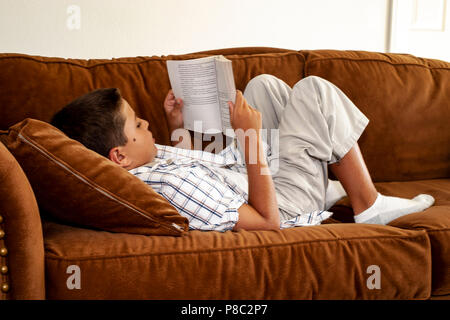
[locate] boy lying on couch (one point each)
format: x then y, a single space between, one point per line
318 128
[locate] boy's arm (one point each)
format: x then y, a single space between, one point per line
261 212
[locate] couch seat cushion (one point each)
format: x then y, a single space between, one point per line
331 261
435 220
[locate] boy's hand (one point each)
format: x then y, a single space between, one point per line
173 108
243 116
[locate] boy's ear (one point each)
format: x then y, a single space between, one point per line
116 155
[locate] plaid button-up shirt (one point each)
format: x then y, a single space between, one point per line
189 181
193 181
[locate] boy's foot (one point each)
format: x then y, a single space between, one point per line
385 208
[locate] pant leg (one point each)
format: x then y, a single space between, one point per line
317 126
269 95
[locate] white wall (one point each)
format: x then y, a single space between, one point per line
120 28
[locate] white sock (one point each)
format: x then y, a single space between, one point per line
385 208
335 192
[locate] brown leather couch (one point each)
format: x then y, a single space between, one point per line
406 147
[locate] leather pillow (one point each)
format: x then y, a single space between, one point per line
76 185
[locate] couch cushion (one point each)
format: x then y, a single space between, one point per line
321 262
79 186
22 233
406 99
435 220
46 84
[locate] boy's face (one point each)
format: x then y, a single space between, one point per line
140 148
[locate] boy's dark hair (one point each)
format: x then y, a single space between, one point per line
95 120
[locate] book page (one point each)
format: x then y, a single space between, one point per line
227 91
195 81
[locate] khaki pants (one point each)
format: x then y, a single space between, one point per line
317 125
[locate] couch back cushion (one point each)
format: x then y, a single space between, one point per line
407 100
404 97
78 186
37 87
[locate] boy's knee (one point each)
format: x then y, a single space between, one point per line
259 82
313 81
313 85
263 78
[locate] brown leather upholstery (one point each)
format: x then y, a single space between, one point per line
78 186
22 245
143 82
405 98
405 146
379 84
435 220
324 262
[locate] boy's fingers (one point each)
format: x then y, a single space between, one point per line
230 106
238 98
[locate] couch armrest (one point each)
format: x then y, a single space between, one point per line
22 266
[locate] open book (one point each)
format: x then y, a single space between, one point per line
205 85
